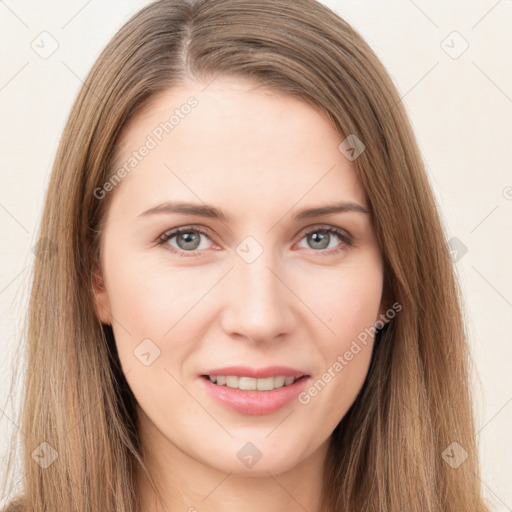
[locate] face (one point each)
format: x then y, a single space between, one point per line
250 284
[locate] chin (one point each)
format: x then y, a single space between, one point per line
260 456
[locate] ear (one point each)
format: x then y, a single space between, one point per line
102 303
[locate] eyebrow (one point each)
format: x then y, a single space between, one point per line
211 212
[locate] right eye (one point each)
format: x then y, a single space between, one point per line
187 239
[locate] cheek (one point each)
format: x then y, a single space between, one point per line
147 297
150 326
349 300
350 306
155 309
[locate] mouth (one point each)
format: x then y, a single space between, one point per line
254 396
252 384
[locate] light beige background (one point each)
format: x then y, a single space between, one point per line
460 107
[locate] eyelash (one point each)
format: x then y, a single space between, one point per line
346 239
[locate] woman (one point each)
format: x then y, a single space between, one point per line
246 299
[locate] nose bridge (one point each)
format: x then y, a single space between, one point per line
258 305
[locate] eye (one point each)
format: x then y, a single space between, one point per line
187 239
320 238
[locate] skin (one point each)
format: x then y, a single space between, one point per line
260 157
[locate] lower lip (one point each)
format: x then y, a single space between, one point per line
254 402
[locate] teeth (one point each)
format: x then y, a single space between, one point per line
231 382
267 384
246 383
250 384
279 381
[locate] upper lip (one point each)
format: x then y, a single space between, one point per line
257 373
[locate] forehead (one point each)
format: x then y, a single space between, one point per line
233 139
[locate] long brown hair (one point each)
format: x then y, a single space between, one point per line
389 451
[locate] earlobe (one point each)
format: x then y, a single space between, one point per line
102 303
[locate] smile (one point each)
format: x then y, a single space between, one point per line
251 384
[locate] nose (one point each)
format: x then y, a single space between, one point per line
258 305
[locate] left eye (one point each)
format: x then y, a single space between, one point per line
188 240
321 237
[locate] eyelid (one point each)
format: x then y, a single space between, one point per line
319 227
